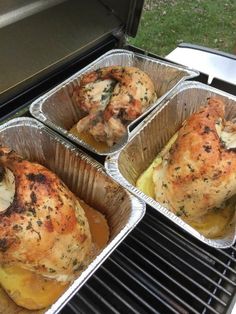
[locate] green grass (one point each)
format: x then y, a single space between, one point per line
166 23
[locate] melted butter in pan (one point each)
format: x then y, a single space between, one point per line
88 138
98 225
217 221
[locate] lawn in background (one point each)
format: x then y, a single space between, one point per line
167 23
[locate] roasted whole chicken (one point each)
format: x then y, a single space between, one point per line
198 173
110 98
43 228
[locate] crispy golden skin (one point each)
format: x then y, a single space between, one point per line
198 173
44 229
110 98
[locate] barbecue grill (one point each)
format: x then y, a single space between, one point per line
158 268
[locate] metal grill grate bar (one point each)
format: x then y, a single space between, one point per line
78 303
98 295
105 286
177 270
190 254
187 241
194 269
148 306
231 257
138 269
72 307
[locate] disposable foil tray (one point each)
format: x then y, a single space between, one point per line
149 137
86 178
58 110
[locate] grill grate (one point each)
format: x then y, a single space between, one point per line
160 269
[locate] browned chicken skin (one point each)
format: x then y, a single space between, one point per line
198 173
111 97
44 228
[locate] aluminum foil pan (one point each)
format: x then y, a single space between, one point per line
148 138
57 109
86 178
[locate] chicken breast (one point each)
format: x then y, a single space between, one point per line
198 173
43 228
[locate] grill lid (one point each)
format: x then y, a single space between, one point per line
37 37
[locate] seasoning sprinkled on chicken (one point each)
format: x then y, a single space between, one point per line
198 173
110 98
43 228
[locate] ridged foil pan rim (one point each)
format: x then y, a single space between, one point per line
112 167
138 209
36 106
181 87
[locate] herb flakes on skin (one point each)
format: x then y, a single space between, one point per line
207 148
182 212
190 168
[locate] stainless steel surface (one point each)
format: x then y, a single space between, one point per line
57 109
12 11
85 177
212 64
150 137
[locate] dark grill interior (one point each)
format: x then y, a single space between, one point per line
160 269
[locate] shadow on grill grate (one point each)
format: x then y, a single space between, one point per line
160 269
